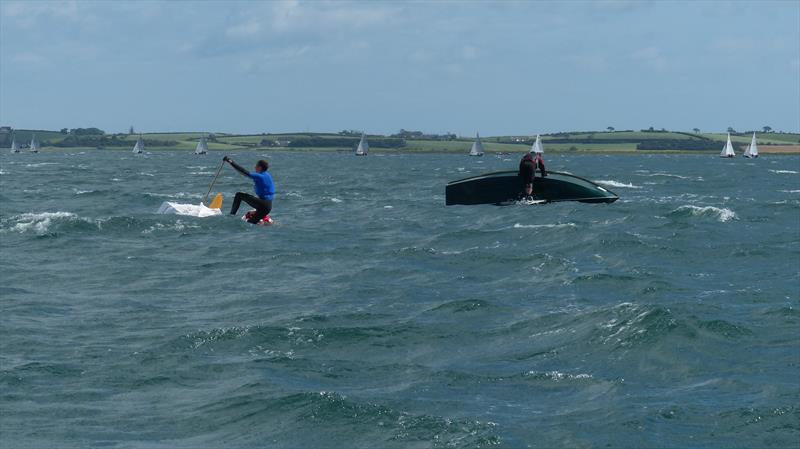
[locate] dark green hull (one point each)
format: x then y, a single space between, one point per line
504 187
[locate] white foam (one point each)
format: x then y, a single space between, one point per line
557 225
337 200
174 195
722 214
790 191
177 226
613 183
39 223
790 172
669 175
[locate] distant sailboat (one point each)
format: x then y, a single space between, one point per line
139 147
477 146
34 144
537 146
202 146
728 150
14 145
752 149
363 146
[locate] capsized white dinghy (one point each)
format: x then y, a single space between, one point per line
193 210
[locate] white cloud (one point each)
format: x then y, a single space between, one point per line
469 52
27 14
28 59
244 30
593 61
733 45
650 56
293 15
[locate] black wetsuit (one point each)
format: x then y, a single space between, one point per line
262 206
526 171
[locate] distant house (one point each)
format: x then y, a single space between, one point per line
5 130
282 143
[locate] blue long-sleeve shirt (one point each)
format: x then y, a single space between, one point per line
264 187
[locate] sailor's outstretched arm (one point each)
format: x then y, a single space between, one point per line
238 167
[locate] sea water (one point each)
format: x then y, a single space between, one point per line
372 316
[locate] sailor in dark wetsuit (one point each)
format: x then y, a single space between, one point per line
527 170
263 185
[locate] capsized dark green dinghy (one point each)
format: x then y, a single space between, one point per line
504 187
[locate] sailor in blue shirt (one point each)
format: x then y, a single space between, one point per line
263 185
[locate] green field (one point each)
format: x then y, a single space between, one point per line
600 141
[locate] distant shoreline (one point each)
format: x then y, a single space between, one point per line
409 142
778 150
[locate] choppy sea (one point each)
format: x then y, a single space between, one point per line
372 316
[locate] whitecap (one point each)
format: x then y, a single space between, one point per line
790 191
668 175
177 226
39 223
722 214
388 207
613 183
337 200
790 172
201 173
555 225
174 195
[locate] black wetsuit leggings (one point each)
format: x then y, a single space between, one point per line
263 207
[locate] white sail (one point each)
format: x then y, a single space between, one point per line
537 146
752 149
202 146
34 144
728 150
363 146
14 145
139 147
477 146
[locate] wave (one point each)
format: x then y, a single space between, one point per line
790 191
39 224
613 183
790 172
554 225
668 175
174 195
336 417
722 214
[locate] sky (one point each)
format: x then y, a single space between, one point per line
498 68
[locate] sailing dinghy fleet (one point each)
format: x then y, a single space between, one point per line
750 152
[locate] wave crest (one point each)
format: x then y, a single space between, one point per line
721 214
